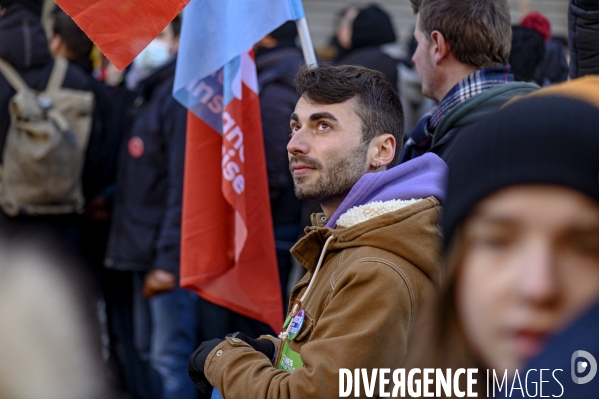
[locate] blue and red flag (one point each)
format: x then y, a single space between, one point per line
228 252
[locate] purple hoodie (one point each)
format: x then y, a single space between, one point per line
421 177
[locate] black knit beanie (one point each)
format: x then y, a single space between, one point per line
550 137
528 50
33 5
372 27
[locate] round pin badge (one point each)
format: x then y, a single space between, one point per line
136 147
296 324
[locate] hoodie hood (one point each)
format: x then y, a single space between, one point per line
24 44
419 178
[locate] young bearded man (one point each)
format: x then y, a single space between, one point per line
462 60
370 257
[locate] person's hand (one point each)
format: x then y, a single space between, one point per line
97 210
195 367
261 345
158 281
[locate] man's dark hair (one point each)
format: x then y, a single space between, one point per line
286 33
479 32
176 25
73 37
379 107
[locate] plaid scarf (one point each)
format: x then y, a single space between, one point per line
472 85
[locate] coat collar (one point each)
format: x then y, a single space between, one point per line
308 249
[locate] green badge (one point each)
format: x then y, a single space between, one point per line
290 360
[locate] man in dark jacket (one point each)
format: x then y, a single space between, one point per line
145 235
583 35
463 66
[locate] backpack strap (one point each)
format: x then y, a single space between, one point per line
58 73
12 76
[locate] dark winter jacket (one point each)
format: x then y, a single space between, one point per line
563 357
276 70
472 110
583 36
146 220
25 47
554 66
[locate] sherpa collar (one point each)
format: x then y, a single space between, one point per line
363 213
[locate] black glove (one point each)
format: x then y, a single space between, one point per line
261 345
197 360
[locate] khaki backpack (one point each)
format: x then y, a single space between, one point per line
45 146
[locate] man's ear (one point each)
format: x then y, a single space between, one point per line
382 151
440 46
55 45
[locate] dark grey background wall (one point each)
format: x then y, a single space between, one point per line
321 15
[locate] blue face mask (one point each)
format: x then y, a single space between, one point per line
154 56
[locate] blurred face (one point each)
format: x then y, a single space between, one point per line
531 266
424 61
326 153
344 29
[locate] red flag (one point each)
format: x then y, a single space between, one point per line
228 253
122 29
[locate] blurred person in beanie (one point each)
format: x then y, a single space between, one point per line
583 35
462 60
145 232
340 43
370 256
372 29
528 50
521 231
553 68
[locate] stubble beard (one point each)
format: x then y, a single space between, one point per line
335 180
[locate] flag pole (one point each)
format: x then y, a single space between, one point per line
306 42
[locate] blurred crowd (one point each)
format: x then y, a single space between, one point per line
91 205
